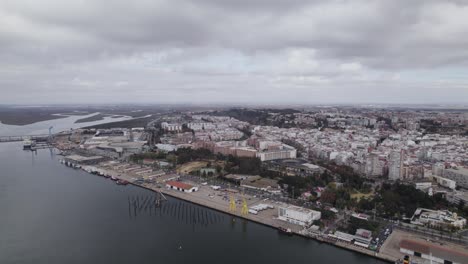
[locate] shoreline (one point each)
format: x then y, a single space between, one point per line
259 219
315 238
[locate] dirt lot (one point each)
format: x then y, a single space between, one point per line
191 166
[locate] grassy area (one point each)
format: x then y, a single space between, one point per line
358 195
191 166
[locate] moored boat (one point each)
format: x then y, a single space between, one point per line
28 144
122 182
285 230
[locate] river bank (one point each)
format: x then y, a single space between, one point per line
216 200
53 214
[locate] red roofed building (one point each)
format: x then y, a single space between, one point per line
180 186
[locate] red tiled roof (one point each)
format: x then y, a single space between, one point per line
180 185
364 233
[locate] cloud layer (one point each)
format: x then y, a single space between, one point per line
245 51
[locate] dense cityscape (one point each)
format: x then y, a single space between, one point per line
233 131
382 182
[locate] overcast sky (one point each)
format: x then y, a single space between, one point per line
234 51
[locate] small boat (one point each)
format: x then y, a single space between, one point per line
285 230
122 182
114 178
28 144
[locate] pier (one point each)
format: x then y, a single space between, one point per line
212 199
16 138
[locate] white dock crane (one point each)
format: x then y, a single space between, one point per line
50 133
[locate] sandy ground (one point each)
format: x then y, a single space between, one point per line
191 166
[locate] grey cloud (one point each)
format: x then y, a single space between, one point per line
172 47
380 33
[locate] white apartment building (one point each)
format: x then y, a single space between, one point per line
459 175
171 127
283 153
394 166
444 182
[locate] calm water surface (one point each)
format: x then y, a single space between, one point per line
58 125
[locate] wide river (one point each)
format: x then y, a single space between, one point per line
50 213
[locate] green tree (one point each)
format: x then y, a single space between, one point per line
218 168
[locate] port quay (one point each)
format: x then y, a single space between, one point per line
217 200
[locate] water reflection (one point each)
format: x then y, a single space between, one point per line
182 212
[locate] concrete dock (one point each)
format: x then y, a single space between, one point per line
220 201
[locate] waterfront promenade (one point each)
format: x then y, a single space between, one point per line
220 200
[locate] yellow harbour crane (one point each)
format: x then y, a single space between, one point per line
232 205
245 208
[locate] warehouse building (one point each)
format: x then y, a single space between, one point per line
180 186
78 159
298 215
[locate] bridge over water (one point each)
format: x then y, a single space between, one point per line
42 137
37 137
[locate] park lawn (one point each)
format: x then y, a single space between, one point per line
358 195
191 166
